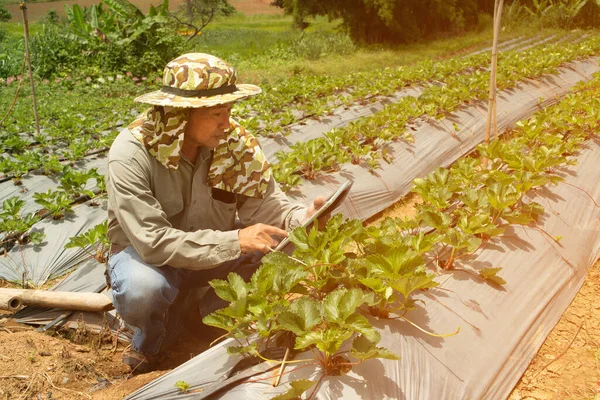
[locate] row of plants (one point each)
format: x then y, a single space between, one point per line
74 124
315 96
16 226
304 97
70 136
73 129
81 118
366 141
366 144
322 298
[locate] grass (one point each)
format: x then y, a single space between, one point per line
265 69
16 30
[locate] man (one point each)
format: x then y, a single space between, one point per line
178 177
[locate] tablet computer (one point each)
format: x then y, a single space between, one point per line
330 204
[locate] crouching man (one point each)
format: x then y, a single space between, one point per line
178 177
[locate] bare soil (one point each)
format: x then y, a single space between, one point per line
567 365
37 10
77 363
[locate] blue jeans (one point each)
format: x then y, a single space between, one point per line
143 294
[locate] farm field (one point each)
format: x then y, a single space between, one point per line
449 239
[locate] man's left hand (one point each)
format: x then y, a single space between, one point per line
318 202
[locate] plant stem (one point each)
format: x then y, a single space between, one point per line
430 333
584 191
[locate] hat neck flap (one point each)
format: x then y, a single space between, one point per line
238 164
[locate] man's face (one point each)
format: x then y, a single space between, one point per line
206 126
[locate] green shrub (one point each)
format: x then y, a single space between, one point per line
121 38
11 55
5 15
51 17
52 52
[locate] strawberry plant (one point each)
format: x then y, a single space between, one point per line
94 241
308 296
394 277
15 226
57 203
324 252
74 182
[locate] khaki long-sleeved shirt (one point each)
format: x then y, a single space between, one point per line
171 217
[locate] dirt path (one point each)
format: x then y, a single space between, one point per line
568 364
38 10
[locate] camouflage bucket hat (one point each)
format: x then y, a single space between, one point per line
197 80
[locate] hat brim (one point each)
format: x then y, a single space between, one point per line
160 98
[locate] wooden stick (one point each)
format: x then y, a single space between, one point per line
28 57
10 302
491 104
278 377
82 301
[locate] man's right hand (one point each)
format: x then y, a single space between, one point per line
258 237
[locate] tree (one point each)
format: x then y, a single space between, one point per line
5 15
394 21
196 14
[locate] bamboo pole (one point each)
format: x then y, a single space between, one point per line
81 301
28 57
492 115
9 302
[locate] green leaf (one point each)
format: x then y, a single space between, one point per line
407 285
300 238
286 279
302 316
364 349
342 303
361 324
251 349
297 389
489 274
183 386
223 289
328 341
434 219
219 321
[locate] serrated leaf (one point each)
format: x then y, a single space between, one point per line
285 279
300 238
328 341
219 321
342 303
223 289
435 219
489 274
302 316
251 349
410 283
361 324
297 389
364 349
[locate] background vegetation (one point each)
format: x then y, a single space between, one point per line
402 21
115 37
